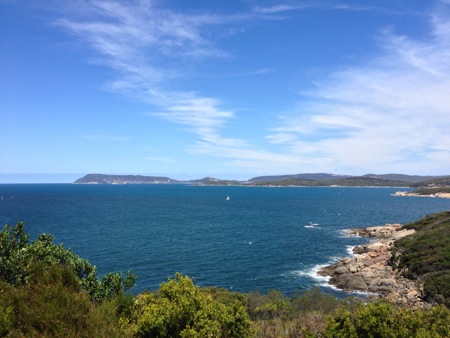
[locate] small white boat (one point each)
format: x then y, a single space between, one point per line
228 198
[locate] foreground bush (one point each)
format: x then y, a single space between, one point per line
53 305
181 309
19 258
384 320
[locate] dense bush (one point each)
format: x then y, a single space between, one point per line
302 315
181 309
383 320
425 255
52 304
18 259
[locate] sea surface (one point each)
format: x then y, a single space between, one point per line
258 239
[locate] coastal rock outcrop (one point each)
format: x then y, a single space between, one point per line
368 270
414 194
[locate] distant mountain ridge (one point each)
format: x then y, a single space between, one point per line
307 176
123 179
403 178
305 179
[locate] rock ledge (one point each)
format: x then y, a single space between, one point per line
368 270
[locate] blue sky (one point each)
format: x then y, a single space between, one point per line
230 89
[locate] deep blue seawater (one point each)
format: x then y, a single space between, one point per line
257 240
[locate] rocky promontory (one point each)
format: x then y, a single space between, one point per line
428 194
368 270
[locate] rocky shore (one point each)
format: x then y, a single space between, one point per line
368 270
413 194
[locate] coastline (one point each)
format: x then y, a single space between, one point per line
368 269
413 194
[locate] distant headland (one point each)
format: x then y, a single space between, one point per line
437 186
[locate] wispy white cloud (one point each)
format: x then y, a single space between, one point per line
390 114
145 45
279 8
325 5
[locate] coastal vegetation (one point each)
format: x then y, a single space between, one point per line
432 191
437 182
432 187
425 256
47 290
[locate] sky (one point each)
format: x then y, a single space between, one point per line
230 89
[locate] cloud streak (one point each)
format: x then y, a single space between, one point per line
143 42
388 115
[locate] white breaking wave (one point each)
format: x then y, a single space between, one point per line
312 273
313 225
345 233
323 281
349 249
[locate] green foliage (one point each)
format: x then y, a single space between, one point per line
224 296
435 182
5 320
315 300
18 259
52 305
272 305
13 254
437 288
302 315
383 320
432 191
425 255
181 309
341 325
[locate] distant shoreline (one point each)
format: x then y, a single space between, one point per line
298 180
414 194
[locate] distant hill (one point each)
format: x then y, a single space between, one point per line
307 179
434 182
353 181
123 179
307 176
333 179
401 177
214 181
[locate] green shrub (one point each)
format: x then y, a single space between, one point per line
5 320
425 255
18 257
437 288
54 306
181 309
383 320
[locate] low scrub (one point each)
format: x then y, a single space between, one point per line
425 256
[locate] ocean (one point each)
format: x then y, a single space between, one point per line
261 238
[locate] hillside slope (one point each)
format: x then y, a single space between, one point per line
425 256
